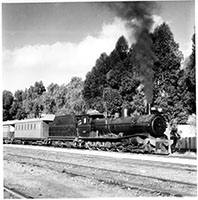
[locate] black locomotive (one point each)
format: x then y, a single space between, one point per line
143 133
140 133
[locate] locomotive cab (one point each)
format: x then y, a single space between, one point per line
84 123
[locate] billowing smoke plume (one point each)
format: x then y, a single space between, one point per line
138 16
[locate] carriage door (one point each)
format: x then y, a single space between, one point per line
84 127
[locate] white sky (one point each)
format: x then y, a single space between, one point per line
58 62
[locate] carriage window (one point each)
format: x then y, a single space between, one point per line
31 126
28 127
34 126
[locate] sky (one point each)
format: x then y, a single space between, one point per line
53 42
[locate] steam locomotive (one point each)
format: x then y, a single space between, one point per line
140 134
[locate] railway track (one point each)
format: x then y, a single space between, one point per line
183 167
126 180
15 194
170 161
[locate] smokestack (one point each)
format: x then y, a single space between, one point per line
147 107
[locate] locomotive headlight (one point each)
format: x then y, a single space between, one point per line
159 109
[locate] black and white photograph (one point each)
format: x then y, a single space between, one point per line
98 99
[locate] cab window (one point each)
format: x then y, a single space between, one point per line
84 120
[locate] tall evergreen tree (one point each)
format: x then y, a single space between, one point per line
166 70
107 73
188 83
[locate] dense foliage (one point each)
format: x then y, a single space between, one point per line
117 81
36 100
113 80
167 71
187 83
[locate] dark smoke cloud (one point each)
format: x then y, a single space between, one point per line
138 16
142 11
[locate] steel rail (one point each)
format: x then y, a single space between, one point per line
16 193
127 185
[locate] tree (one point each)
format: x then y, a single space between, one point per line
32 101
188 84
49 99
7 99
17 110
64 99
37 108
106 75
74 102
128 87
7 104
166 70
96 80
137 106
113 100
36 90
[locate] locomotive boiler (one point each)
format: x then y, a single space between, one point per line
153 125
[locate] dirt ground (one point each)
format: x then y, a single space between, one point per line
35 179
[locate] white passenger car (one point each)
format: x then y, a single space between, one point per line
32 129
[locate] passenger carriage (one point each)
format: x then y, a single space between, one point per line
32 130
